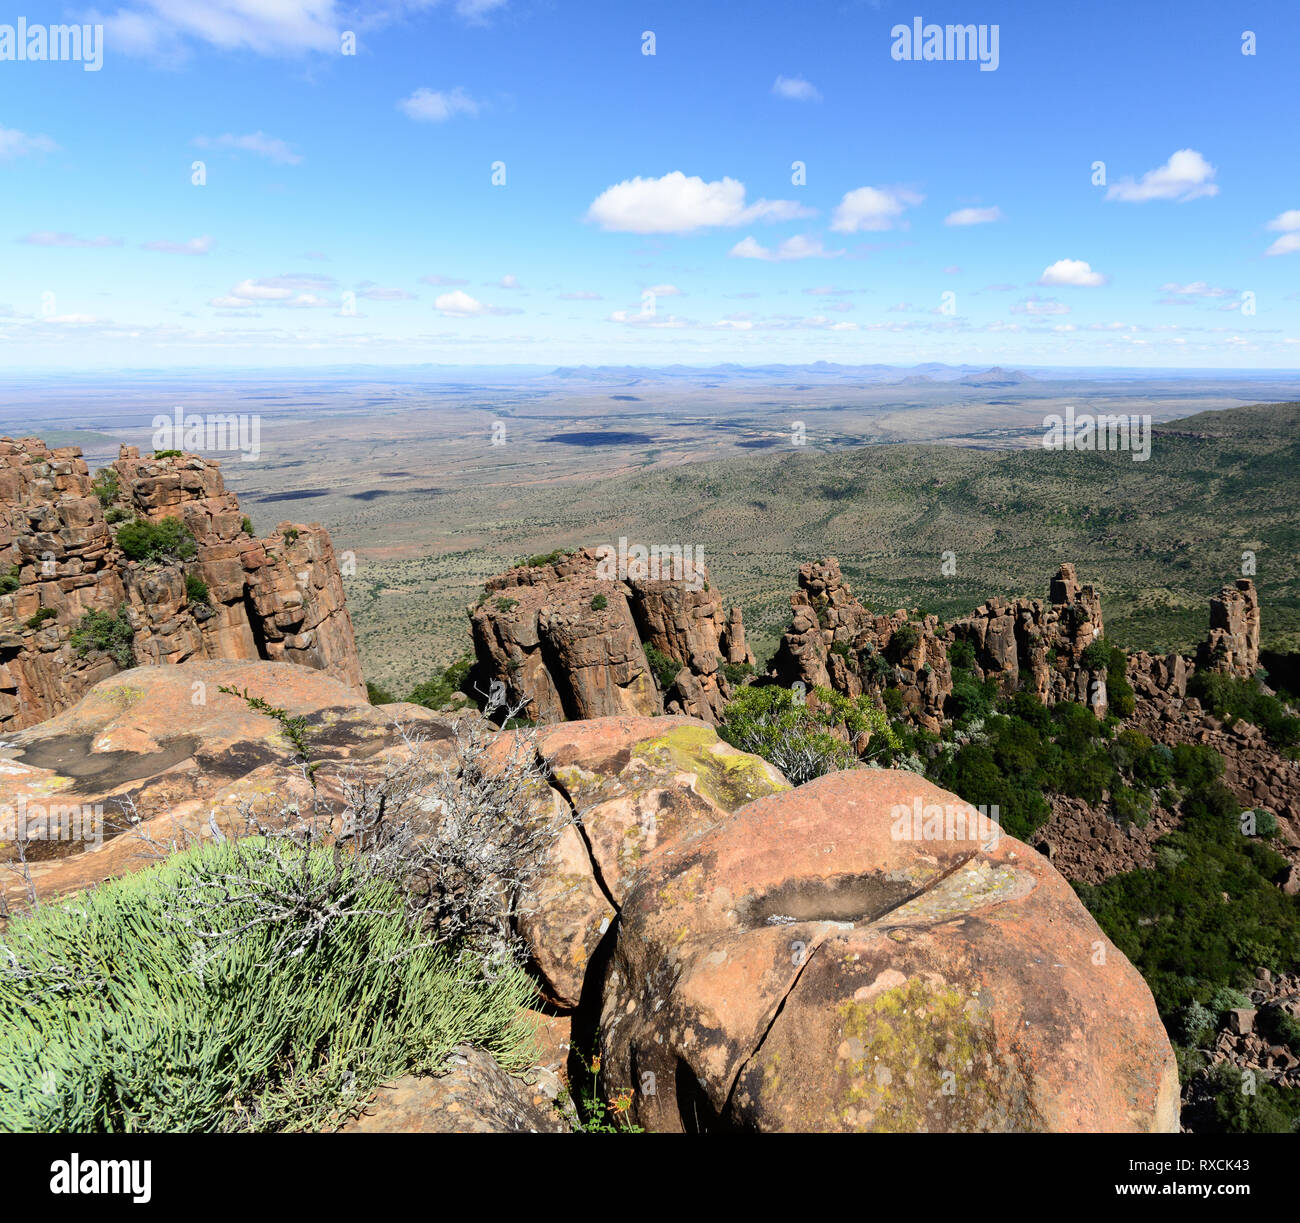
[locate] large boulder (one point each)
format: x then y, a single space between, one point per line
473 1095
152 756
636 787
847 956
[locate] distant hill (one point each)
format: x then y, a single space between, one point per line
997 377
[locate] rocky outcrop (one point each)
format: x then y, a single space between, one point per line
473 1095
278 598
764 958
570 643
636 787
1232 645
846 956
154 756
834 640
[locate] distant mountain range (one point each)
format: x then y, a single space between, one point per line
818 371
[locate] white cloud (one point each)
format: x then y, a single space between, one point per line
270 147
195 246
441 281
676 204
434 106
1033 304
508 281
14 143
272 27
797 247
377 293
44 237
1072 272
1185 176
872 208
973 216
459 304
293 291
795 89
665 291
630 318
1288 223
166 29
1196 288
473 10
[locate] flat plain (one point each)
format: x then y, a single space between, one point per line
432 480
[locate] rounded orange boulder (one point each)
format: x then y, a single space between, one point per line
867 953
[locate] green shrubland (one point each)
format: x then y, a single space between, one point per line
142 1006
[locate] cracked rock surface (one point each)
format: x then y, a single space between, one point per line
803 966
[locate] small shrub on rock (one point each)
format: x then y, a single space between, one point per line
168 539
100 632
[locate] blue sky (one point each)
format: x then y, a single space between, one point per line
349 212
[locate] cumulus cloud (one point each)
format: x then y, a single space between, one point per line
1185 176
459 304
1288 224
1074 272
795 89
292 291
435 106
442 281
14 143
259 143
872 208
678 204
798 247
973 216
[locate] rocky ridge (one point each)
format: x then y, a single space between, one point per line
278 598
571 644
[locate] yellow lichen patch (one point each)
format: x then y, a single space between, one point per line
122 696
914 1058
724 776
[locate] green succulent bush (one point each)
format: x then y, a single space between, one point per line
160 1002
800 738
438 689
196 589
107 486
167 539
665 669
100 632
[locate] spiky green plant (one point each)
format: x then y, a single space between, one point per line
170 1000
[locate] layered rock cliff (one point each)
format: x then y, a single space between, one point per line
278 598
833 640
570 643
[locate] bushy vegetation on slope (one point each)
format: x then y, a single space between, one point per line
142 1006
805 738
101 632
435 692
168 539
1232 699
